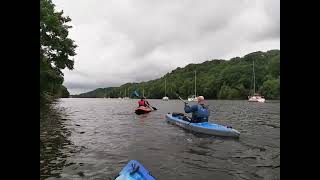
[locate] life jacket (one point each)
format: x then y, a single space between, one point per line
202 113
141 103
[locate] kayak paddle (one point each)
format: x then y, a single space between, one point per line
177 94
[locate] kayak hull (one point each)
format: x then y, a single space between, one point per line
203 127
142 110
134 171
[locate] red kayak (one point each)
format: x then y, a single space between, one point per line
143 110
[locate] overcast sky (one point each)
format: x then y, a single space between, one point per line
122 41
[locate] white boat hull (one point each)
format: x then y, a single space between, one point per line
256 99
193 99
165 98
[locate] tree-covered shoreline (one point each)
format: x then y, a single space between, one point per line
216 79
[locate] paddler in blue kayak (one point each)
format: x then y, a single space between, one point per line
200 112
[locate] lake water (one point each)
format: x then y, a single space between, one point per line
94 139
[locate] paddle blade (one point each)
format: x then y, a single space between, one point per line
154 108
135 93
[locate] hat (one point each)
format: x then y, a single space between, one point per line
200 99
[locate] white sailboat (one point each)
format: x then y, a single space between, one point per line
194 97
105 95
125 94
120 97
127 97
143 93
255 97
165 98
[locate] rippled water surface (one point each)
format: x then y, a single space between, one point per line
95 138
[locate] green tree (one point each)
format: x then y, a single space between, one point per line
275 66
271 89
64 93
215 79
227 92
56 50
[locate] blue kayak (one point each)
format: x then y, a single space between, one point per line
203 127
134 171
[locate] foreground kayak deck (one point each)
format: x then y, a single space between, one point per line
134 171
203 127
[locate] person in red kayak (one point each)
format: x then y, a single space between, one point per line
143 102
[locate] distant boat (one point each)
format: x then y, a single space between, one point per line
126 97
194 97
255 96
120 97
165 98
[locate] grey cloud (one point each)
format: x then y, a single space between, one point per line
74 85
80 87
131 41
271 33
272 9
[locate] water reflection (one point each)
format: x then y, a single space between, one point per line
54 143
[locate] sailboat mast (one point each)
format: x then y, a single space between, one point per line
195 83
165 87
254 80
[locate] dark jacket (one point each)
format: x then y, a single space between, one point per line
200 113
